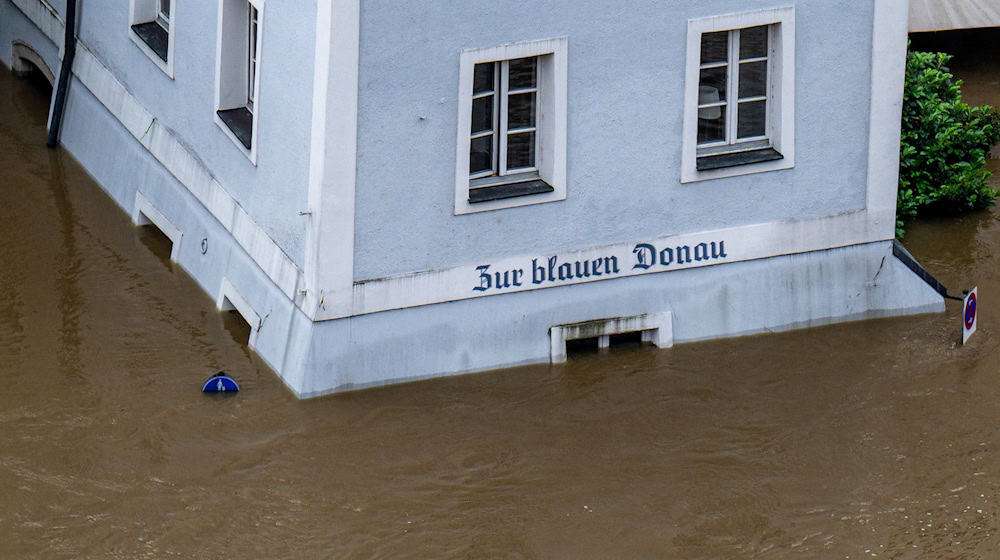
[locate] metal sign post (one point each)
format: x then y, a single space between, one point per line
969 303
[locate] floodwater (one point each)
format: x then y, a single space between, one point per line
861 440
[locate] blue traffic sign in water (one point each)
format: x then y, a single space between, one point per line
970 311
220 383
969 314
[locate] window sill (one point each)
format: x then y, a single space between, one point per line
734 159
509 190
239 121
154 36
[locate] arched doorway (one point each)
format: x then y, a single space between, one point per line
25 60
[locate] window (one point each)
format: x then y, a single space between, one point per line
503 144
163 14
739 95
251 56
512 126
237 73
732 98
150 29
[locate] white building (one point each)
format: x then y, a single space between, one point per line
397 190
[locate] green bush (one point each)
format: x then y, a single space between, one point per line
942 168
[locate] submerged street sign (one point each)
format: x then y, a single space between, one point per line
969 314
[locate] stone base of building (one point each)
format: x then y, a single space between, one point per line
766 295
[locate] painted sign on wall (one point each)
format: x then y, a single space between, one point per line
552 270
666 254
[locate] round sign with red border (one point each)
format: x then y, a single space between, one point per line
970 311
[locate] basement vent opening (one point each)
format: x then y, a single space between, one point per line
242 322
599 343
601 334
234 322
154 239
28 71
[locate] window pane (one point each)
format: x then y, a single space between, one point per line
521 111
715 47
753 42
752 118
481 155
521 150
483 80
482 114
251 56
712 85
522 73
753 79
712 125
253 25
165 7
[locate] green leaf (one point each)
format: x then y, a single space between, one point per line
944 143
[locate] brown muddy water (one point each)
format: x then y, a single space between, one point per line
861 440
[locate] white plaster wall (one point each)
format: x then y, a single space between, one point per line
626 72
275 190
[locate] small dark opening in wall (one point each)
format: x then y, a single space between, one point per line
581 346
36 78
626 339
593 345
157 242
237 326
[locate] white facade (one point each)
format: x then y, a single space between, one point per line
312 169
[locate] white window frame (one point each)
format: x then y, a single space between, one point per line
550 121
780 124
143 11
253 37
236 88
163 18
